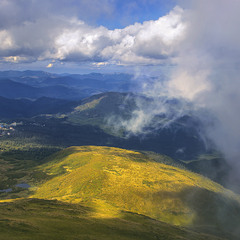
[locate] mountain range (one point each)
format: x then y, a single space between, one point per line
36 84
72 168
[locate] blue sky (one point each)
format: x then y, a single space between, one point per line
127 12
82 35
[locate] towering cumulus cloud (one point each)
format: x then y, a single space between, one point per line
208 70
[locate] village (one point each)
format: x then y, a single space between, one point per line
6 129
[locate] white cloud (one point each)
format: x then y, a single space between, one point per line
207 67
188 83
71 39
50 65
208 70
149 43
100 64
14 59
6 40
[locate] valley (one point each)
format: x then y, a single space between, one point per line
71 169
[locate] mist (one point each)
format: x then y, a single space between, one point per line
206 76
208 71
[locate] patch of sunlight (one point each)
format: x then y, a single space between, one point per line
88 105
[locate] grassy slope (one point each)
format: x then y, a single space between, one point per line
98 109
111 179
43 219
109 183
18 159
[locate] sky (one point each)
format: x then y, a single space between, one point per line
85 36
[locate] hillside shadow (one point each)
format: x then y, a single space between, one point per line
214 213
51 219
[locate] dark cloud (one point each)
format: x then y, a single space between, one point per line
17 12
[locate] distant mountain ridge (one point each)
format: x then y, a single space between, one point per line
182 133
25 108
16 90
35 84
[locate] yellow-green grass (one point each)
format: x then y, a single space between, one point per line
88 105
205 157
111 180
75 116
53 220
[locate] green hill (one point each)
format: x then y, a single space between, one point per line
111 180
96 109
167 133
43 219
